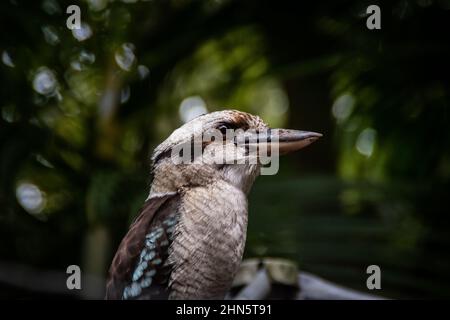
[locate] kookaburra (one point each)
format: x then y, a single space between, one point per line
188 240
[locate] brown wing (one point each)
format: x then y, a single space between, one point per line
139 269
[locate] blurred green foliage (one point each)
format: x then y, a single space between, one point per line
81 112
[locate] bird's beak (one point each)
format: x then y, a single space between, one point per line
284 140
293 140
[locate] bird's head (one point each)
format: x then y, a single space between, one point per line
227 145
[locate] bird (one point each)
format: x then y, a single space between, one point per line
188 240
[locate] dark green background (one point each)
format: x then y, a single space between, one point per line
373 190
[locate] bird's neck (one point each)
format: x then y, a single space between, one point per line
168 177
175 178
210 240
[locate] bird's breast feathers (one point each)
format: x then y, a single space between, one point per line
209 244
186 245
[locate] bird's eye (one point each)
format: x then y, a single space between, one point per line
223 128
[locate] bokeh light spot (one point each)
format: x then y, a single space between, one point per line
143 71
44 82
125 57
30 197
192 107
83 33
7 60
366 142
343 107
50 35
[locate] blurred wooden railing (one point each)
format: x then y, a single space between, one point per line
256 280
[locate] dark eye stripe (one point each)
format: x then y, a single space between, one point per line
223 128
238 123
163 155
226 125
168 153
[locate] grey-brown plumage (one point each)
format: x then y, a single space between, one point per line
188 241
